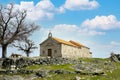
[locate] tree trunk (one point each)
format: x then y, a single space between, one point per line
27 54
4 51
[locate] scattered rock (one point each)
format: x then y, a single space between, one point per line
88 69
22 71
7 62
6 77
42 73
60 71
77 78
78 71
115 57
30 77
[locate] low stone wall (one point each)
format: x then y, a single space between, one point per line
56 61
9 63
83 68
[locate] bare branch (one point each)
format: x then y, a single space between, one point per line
13 26
27 47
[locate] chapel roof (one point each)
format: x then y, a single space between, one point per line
71 42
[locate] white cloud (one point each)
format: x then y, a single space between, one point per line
80 4
114 43
88 32
69 30
93 32
61 9
45 5
102 22
45 9
65 28
42 10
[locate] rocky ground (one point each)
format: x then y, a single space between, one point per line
59 69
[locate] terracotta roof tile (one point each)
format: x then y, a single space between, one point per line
71 43
76 43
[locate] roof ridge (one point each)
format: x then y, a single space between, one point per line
72 43
76 43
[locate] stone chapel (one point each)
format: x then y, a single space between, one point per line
55 47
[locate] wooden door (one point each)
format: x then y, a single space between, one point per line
50 52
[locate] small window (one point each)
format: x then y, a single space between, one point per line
43 51
55 51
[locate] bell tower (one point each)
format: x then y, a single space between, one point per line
50 34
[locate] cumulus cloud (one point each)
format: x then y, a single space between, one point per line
65 28
94 33
92 28
74 30
45 9
88 32
80 4
42 10
102 22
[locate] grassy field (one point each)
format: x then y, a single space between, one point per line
112 70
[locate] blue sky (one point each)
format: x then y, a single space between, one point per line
94 23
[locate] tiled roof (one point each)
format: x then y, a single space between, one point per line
71 43
76 43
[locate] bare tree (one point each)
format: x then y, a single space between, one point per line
26 47
13 27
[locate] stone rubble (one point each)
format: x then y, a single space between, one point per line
15 66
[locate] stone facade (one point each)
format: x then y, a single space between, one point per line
55 47
75 52
50 48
